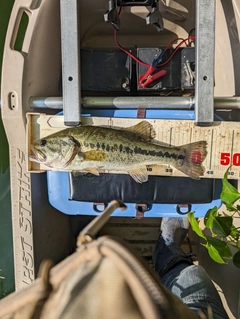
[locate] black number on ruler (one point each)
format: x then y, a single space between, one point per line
149 169
168 170
210 172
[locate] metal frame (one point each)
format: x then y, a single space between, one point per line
70 62
205 48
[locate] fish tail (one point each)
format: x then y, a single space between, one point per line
190 159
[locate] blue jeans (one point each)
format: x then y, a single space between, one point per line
189 282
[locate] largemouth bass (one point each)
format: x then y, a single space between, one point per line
91 148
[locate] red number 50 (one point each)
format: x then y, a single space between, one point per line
225 159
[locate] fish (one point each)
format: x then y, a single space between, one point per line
131 149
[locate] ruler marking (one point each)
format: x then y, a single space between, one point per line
211 149
231 150
170 142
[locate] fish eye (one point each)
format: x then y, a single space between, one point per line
43 142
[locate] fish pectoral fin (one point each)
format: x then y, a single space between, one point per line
143 129
85 172
76 173
94 155
140 175
92 171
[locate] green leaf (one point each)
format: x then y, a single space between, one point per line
214 254
229 193
222 226
235 233
236 259
231 208
221 246
210 216
195 226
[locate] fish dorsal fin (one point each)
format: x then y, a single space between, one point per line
143 129
140 175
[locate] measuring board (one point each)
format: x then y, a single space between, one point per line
222 141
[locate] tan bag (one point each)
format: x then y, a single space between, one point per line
101 280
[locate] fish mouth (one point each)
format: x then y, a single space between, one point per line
37 155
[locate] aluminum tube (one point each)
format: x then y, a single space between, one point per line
169 102
135 102
46 102
231 102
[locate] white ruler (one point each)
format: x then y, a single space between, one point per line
222 140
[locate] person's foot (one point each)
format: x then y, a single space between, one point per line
174 230
168 253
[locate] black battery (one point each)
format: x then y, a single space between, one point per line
188 68
172 79
105 70
180 69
